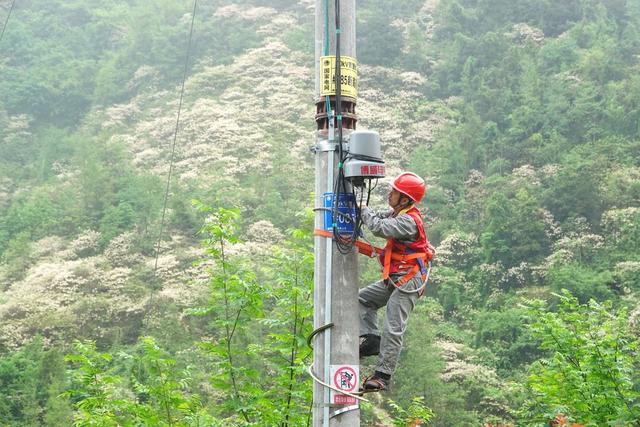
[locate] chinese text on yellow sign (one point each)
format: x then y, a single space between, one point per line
348 76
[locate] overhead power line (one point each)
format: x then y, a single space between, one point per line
175 134
6 21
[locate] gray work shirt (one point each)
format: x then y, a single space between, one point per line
402 227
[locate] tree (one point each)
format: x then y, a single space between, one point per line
31 380
158 393
574 190
515 229
505 334
589 373
238 304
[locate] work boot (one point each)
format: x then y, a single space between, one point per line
379 381
369 345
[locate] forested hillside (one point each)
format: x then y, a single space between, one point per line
126 302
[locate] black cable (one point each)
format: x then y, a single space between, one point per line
344 242
6 21
363 157
358 226
316 332
371 188
338 78
175 134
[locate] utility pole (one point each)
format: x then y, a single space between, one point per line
336 274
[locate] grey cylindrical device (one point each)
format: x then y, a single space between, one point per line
365 143
365 158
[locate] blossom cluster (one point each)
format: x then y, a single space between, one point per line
456 249
16 127
72 291
461 366
525 174
620 222
523 32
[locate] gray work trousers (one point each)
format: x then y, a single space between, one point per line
399 306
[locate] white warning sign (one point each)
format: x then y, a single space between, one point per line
345 378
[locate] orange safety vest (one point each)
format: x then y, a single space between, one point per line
398 257
408 258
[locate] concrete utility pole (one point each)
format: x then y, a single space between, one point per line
336 275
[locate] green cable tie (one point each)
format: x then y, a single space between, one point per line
335 225
340 165
339 117
338 31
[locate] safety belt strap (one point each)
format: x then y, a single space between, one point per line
363 247
369 250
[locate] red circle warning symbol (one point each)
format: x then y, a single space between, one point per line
345 379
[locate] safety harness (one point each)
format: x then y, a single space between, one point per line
396 256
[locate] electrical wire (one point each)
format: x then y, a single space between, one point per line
175 135
327 99
338 83
344 194
6 21
341 197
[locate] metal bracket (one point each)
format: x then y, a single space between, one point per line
323 146
345 409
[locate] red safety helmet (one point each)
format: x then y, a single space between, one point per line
411 185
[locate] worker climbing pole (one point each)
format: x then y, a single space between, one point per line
346 160
348 165
336 274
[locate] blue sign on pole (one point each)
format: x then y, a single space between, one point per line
346 208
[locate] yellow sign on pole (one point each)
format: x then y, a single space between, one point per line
348 76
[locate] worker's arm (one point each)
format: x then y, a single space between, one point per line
384 225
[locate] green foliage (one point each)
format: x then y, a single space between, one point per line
158 393
116 219
33 215
49 67
583 282
590 371
504 334
421 369
274 196
107 195
145 386
17 256
623 233
378 38
82 53
575 189
530 148
417 413
450 290
237 305
515 231
143 282
31 381
289 323
296 39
